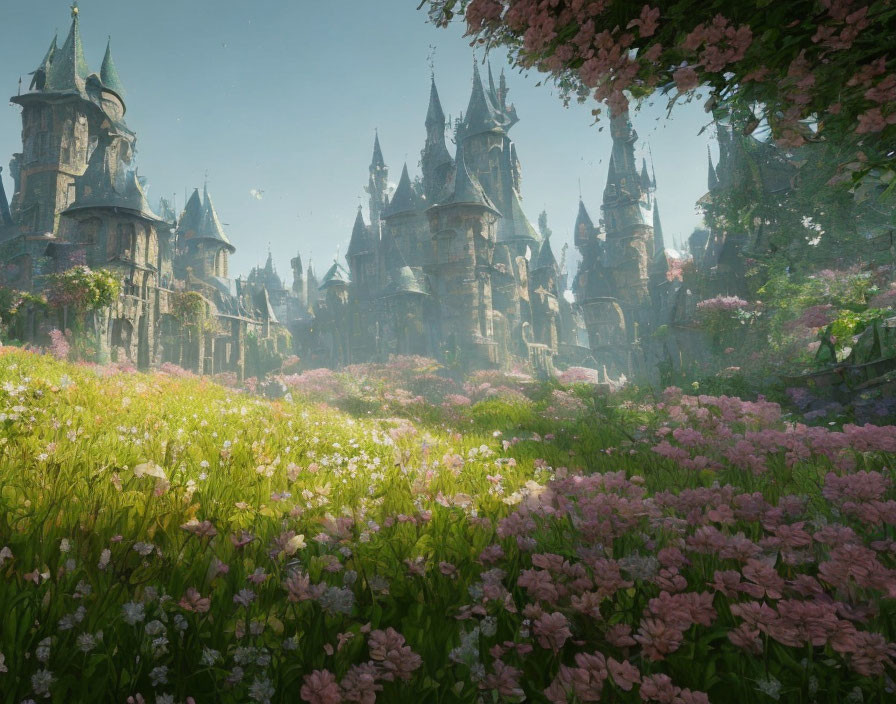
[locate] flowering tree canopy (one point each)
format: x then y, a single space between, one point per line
812 70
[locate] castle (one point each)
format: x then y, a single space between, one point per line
447 266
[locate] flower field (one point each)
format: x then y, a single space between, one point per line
388 534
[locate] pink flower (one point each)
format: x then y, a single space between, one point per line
552 630
320 688
647 22
624 674
505 680
194 601
686 79
388 650
360 684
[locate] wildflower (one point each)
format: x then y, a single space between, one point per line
320 687
624 674
133 613
41 682
552 630
336 600
261 690
360 683
194 601
210 657
105 557
388 649
3 667
770 687
159 675
203 529
244 597
86 642
504 679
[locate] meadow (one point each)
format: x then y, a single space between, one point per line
390 534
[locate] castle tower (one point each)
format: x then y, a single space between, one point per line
402 224
361 258
464 237
435 160
616 303
298 280
63 115
311 286
377 186
201 241
545 295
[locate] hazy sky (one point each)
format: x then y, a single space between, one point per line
283 96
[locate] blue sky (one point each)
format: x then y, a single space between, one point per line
283 96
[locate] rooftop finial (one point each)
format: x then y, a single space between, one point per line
75 9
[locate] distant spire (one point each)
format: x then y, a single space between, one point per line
435 116
584 228
404 199
481 116
493 92
713 179
109 73
5 215
467 189
68 70
659 244
360 242
377 161
645 178
652 168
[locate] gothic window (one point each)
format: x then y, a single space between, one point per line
127 245
90 231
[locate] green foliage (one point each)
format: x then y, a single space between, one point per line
82 289
189 308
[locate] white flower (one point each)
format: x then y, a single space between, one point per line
105 556
64 545
41 681
86 642
5 554
133 613
158 675
210 657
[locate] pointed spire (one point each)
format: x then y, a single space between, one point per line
481 116
40 73
5 215
435 116
377 162
188 225
584 228
467 189
68 70
404 200
360 242
109 73
645 177
546 258
659 244
713 179
335 276
493 93
210 227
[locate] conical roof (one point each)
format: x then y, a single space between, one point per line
96 188
210 227
361 241
109 73
659 243
546 258
336 276
482 115
377 161
645 177
40 73
5 215
68 68
467 189
404 200
435 116
190 219
584 227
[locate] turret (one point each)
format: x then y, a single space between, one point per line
361 256
377 185
298 279
109 74
435 160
